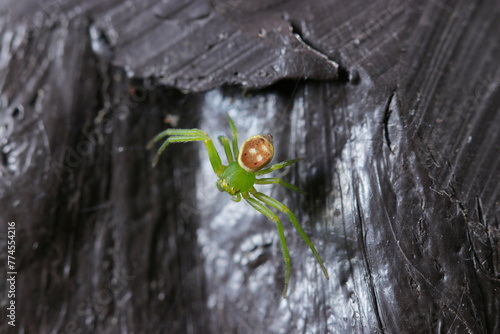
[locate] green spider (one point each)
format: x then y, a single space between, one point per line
239 177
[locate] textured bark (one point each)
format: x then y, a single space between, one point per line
393 105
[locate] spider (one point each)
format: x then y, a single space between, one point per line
239 177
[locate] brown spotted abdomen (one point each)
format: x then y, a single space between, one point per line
256 152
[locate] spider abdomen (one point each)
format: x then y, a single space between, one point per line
256 152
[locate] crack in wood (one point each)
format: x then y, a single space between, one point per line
299 35
385 121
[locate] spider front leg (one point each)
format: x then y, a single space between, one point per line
225 142
280 206
184 136
271 215
227 148
234 137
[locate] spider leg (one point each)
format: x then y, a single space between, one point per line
280 206
277 166
234 137
275 180
236 197
184 136
271 215
227 148
175 132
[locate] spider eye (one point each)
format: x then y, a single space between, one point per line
256 152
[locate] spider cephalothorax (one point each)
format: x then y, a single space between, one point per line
239 177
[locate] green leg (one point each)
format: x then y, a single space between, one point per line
275 180
184 136
271 215
235 138
277 166
227 148
236 197
175 132
280 206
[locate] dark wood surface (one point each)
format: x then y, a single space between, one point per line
393 105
